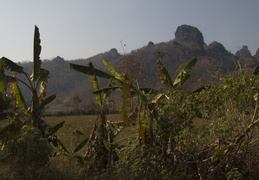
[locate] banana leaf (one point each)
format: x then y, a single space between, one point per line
81 145
46 101
19 100
36 55
108 90
184 74
11 66
164 75
114 72
93 71
98 97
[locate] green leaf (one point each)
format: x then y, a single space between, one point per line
159 97
36 55
11 66
19 100
43 75
43 79
98 97
184 74
54 129
81 145
108 90
46 101
164 75
77 132
149 90
114 72
57 143
93 71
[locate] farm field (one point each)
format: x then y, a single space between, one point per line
61 166
82 123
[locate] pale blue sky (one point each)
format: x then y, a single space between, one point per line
82 28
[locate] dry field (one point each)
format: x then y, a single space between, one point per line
84 124
60 167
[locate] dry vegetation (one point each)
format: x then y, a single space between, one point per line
62 166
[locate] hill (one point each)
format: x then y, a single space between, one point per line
74 90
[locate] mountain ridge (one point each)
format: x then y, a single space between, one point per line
140 64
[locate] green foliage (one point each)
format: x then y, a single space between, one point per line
36 55
5 103
29 146
27 136
205 134
96 87
36 84
184 74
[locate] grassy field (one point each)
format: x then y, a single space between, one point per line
83 123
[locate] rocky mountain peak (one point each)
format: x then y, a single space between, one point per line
58 59
189 35
243 53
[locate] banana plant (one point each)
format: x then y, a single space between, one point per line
180 79
36 84
103 136
124 83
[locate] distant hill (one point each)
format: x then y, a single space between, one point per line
140 64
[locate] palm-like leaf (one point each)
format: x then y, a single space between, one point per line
164 75
81 145
92 71
114 72
46 101
184 74
19 100
36 55
108 90
11 66
98 97
54 129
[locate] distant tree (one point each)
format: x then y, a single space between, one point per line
132 66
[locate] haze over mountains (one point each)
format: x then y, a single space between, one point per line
74 90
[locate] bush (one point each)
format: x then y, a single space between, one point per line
206 134
29 146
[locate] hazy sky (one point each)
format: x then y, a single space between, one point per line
76 29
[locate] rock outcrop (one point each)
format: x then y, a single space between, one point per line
189 36
243 53
150 43
216 49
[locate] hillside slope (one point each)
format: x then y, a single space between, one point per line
214 60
